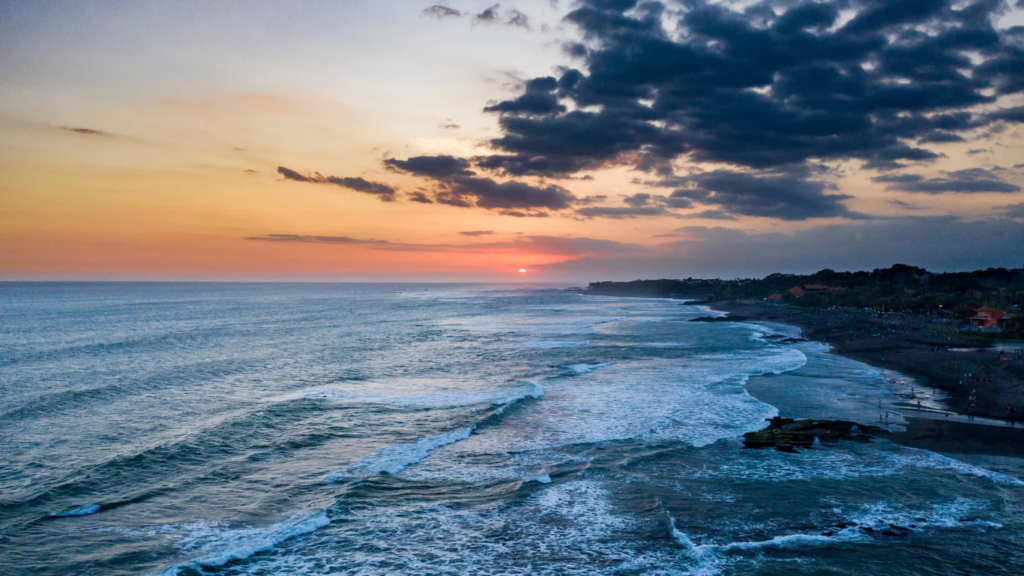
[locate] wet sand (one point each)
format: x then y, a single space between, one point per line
961 438
929 351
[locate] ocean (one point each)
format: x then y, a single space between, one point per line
363 429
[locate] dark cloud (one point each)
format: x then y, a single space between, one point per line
316 239
290 174
782 196
1018 166
519 20
765 87
385 192
437 167
459 186
511 195
636 200
420 197
897 178
636 205
451 126
974 151
618 212
85 131
1009 114
935 243
452 199
440 12
489 16
477 232
1013 210
588 200
711 215
521 214
904 205
969 181
940 137
538 98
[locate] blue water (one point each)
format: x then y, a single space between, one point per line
434 429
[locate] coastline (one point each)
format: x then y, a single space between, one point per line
934 360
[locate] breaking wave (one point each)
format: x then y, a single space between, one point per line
230 545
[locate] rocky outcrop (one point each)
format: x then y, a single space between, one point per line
787 434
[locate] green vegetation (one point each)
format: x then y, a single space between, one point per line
899 288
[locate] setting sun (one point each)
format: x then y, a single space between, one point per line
522 270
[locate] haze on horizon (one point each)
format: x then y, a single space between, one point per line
586 140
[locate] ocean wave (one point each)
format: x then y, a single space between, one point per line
865 525
83 511
584 368
549 344
841 462
440 399
570 528
230 545
393 459
960 513
926 459
397 457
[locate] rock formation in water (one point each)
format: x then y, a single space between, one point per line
787 434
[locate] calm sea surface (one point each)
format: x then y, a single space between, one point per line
235 429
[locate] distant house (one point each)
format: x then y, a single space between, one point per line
986 317
801 291
774 299
818 288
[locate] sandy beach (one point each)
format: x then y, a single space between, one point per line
936 357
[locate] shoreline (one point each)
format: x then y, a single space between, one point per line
905 344
933 360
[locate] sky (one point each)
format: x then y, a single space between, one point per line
465 141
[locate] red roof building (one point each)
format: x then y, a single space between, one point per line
797 292
986 317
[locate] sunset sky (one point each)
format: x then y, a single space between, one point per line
589 140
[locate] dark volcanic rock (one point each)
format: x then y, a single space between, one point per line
787 434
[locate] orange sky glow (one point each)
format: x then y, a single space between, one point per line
149 143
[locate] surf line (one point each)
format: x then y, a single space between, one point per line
243 543
397 457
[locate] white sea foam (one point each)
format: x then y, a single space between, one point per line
587 368
926 459
862 526
867 520
221 547
960 513
83 511
432 399
563 529
549 344
698 401
393 459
